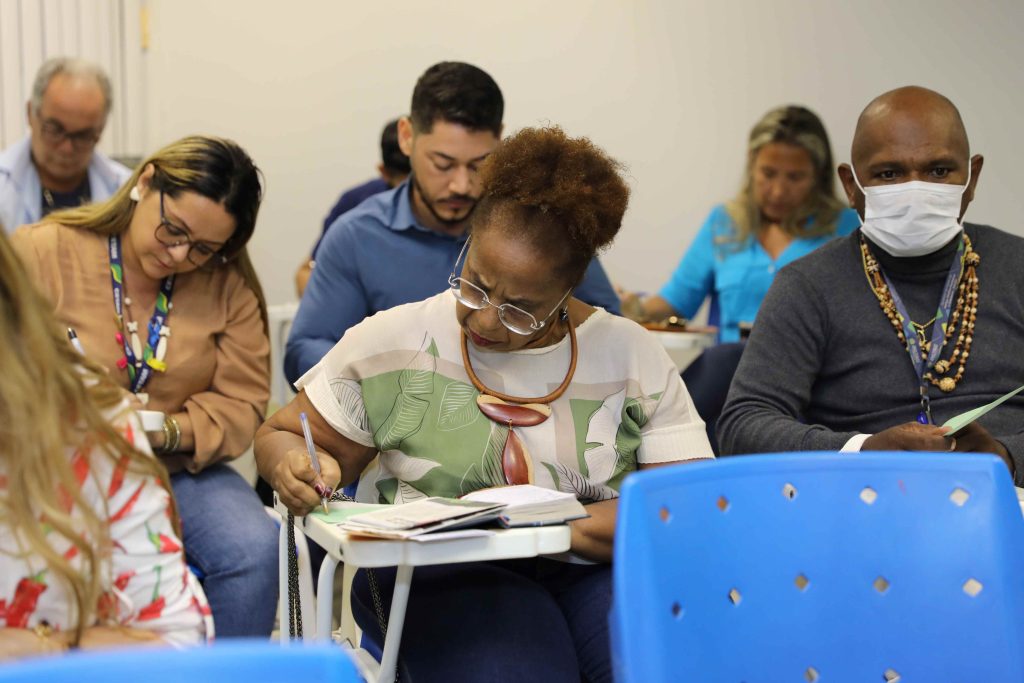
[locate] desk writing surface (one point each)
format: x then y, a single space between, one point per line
684 347
503 544
339 512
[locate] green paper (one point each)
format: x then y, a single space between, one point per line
955 424
339 512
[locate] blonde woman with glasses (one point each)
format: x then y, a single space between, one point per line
158 285
90 550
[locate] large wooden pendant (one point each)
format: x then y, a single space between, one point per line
515 459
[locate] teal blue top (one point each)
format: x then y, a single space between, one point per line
736 276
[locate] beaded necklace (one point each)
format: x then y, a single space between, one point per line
515 411
138 361
961 281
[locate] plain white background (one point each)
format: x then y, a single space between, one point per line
669 87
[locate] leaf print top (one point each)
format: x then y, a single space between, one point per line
145 579
396 382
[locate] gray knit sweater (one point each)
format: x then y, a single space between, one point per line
824 364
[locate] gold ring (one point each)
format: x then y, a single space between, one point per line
952 445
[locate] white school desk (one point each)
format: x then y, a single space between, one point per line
503 544
684 347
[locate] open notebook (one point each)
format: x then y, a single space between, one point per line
425 516
510 506
526 505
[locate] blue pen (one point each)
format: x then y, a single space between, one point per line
312 454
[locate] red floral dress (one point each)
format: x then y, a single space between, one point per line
146 582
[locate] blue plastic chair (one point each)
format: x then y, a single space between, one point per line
820 567
235 660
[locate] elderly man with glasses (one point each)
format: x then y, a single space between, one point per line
57 165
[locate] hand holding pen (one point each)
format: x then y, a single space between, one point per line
314 460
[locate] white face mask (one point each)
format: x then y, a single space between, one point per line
913 218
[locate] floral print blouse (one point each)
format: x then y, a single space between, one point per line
146 583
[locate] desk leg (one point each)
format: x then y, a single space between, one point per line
399 601
325 598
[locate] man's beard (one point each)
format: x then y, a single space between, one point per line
433 212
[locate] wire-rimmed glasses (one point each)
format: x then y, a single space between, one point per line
512 317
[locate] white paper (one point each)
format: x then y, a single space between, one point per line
522 494
449 535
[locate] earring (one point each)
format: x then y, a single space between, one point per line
134 194
564 315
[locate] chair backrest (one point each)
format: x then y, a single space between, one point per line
280 318
707 380
234 660
820 566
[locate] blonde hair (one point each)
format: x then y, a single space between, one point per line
215 168
800 127
52 400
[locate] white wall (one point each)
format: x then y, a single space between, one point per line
102 31
670 87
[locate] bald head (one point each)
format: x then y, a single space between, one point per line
908 134
909 111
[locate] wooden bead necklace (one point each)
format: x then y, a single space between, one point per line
964 315
516 411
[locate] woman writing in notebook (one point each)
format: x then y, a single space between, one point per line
158 285
504 379
90 554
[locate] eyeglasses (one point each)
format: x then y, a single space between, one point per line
512 317
53 133
170 235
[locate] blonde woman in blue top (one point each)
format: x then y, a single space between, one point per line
786 208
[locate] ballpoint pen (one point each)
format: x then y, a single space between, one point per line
312 454
75 341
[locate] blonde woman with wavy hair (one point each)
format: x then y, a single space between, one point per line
786 208
89 550
158 284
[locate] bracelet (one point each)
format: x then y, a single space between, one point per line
172 435
45 632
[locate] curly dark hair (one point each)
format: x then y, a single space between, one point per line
565 195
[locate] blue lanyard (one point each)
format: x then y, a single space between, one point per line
139 369
922 363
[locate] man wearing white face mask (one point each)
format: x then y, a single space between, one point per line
871 341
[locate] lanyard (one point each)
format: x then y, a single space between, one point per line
139 369
922 364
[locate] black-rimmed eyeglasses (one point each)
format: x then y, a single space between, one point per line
55 134
170 235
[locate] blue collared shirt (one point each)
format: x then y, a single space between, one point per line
21 194
378 256
736 276
349 200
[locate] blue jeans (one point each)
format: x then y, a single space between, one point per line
517 620
231 540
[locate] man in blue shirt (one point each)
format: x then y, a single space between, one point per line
400 246
393 169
